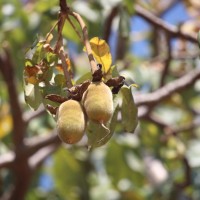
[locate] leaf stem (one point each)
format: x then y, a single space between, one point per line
75 29
65 68
59 49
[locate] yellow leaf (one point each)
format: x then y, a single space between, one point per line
5 121
101 52
32 80
49 37
60 68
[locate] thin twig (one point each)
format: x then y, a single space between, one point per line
65 68
86 41
171 29
167 60
153 98
36 143
75 29
29 115
59 46
51 30
36 159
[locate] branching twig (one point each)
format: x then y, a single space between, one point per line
75 29
167 61
35 144
164 92
6 160
171 29
36 159
65 68
7 70
29 115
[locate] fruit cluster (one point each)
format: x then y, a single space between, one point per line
72 115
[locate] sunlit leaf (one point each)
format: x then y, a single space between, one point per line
101 52
39 53
6 123
51 58
32 71
129 110
59 79
49 37
31 80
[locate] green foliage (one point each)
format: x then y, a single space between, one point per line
117 169
129 110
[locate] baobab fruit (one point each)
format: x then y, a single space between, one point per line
70 122
98 102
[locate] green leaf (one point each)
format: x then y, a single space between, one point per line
28 62
97 133
129 110
39 53
33 96
52 58
72 184
85 77
129 4
59 79
116 155
112 72
113 122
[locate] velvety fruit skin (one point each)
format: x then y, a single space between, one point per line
98 102
70 122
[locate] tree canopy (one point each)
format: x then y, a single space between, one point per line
149 55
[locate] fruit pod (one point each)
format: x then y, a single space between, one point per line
70 122
98 102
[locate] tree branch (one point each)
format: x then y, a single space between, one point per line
108 23
167 60
164 92
6 160
36 159
35 144
171 29
93 64
7 70
29 115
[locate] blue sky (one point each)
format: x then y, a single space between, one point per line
175 16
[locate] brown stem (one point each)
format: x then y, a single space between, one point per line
153 98
156 21
108 23
59 44
65 68
75 29
167 61
7 69
86 41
